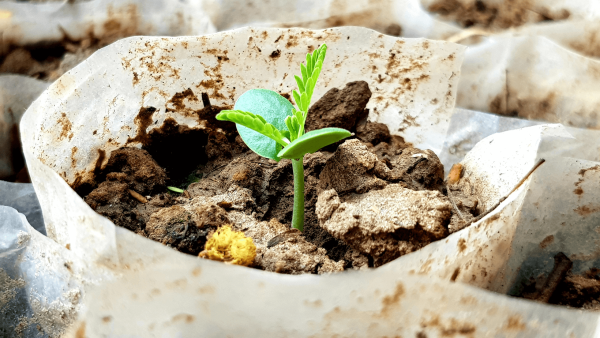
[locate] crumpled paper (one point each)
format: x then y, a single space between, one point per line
169 293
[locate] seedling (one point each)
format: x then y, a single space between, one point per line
271 126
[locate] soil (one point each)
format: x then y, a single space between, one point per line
368 200
495 16
562 287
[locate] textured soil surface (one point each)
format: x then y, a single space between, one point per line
368 200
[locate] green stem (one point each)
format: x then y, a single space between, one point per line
298 215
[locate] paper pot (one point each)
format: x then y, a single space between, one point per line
93 110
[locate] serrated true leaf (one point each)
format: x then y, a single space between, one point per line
273 108
313 141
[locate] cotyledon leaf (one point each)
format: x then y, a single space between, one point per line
271 106
313 141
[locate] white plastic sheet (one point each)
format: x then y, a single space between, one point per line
170 293
191 299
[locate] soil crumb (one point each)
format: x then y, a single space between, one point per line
340 108
368 199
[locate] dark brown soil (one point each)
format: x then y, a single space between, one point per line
340 108
580 291
131 189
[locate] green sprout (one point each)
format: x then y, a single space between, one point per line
271 126
177 190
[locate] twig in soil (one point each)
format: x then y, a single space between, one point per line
414 164
539 163
217 168
137 196
263 163
282 237
205 100
562 265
